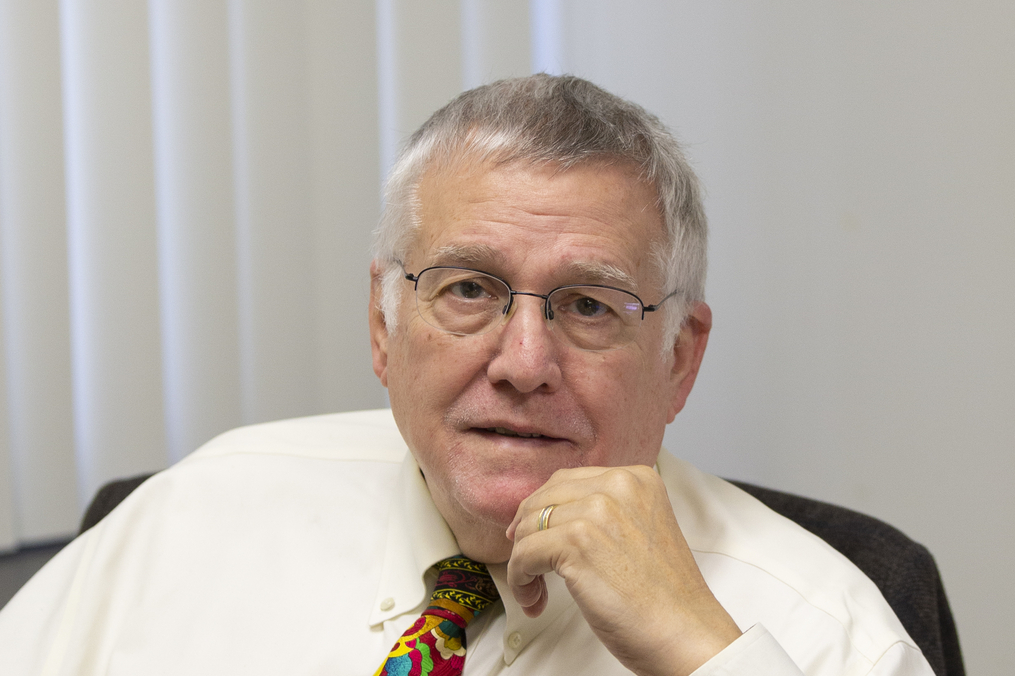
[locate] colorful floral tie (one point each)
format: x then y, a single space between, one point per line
435 644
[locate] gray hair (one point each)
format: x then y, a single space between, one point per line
566 121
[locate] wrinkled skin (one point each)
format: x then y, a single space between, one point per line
600 416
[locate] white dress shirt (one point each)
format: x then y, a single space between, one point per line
305 547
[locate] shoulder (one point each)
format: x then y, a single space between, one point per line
287 469
766 569
299 503
272 472
357 435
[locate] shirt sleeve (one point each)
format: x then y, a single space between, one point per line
902 659
757 653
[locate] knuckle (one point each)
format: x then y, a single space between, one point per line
623 480
582 534
559 474
643 473
520 551
600 504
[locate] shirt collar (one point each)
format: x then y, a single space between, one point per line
417 538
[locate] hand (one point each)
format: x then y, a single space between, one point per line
615 541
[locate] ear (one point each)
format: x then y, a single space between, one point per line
688 352
378 327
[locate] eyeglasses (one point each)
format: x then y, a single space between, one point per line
468 302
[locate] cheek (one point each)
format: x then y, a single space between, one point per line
612 384
427 371
437 368
409 382
628 402
414 353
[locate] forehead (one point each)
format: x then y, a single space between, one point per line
585 222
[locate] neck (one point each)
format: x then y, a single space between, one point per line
481 542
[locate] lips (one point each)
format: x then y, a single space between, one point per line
504 429
543 426
511 433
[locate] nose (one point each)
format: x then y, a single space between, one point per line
528 352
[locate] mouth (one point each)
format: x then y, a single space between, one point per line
522 429
524 433
511 433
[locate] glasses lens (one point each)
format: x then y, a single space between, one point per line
461 301
594 317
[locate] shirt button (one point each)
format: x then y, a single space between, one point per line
514 640
387 604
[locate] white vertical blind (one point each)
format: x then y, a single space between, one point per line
273 191
196 214
113 243
8 524
345 163
421 64
547 41
187 191
38 471
495 41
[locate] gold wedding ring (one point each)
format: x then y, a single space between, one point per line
544 517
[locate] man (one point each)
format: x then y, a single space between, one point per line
537 316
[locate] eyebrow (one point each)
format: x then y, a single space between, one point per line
583 272
596 272
472 254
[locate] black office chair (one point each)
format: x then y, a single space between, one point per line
903 570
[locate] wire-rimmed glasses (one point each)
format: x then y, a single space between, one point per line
469 302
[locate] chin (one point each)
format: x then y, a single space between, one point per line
495 503
480 512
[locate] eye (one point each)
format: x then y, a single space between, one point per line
585 304
590 307
469 289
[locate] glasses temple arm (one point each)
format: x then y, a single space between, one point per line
653 308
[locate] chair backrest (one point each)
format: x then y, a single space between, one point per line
903 570
108 497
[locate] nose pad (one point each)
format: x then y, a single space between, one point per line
509 309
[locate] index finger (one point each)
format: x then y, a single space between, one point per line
558 489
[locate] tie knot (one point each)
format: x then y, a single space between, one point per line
464 583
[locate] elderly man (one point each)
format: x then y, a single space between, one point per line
537 316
